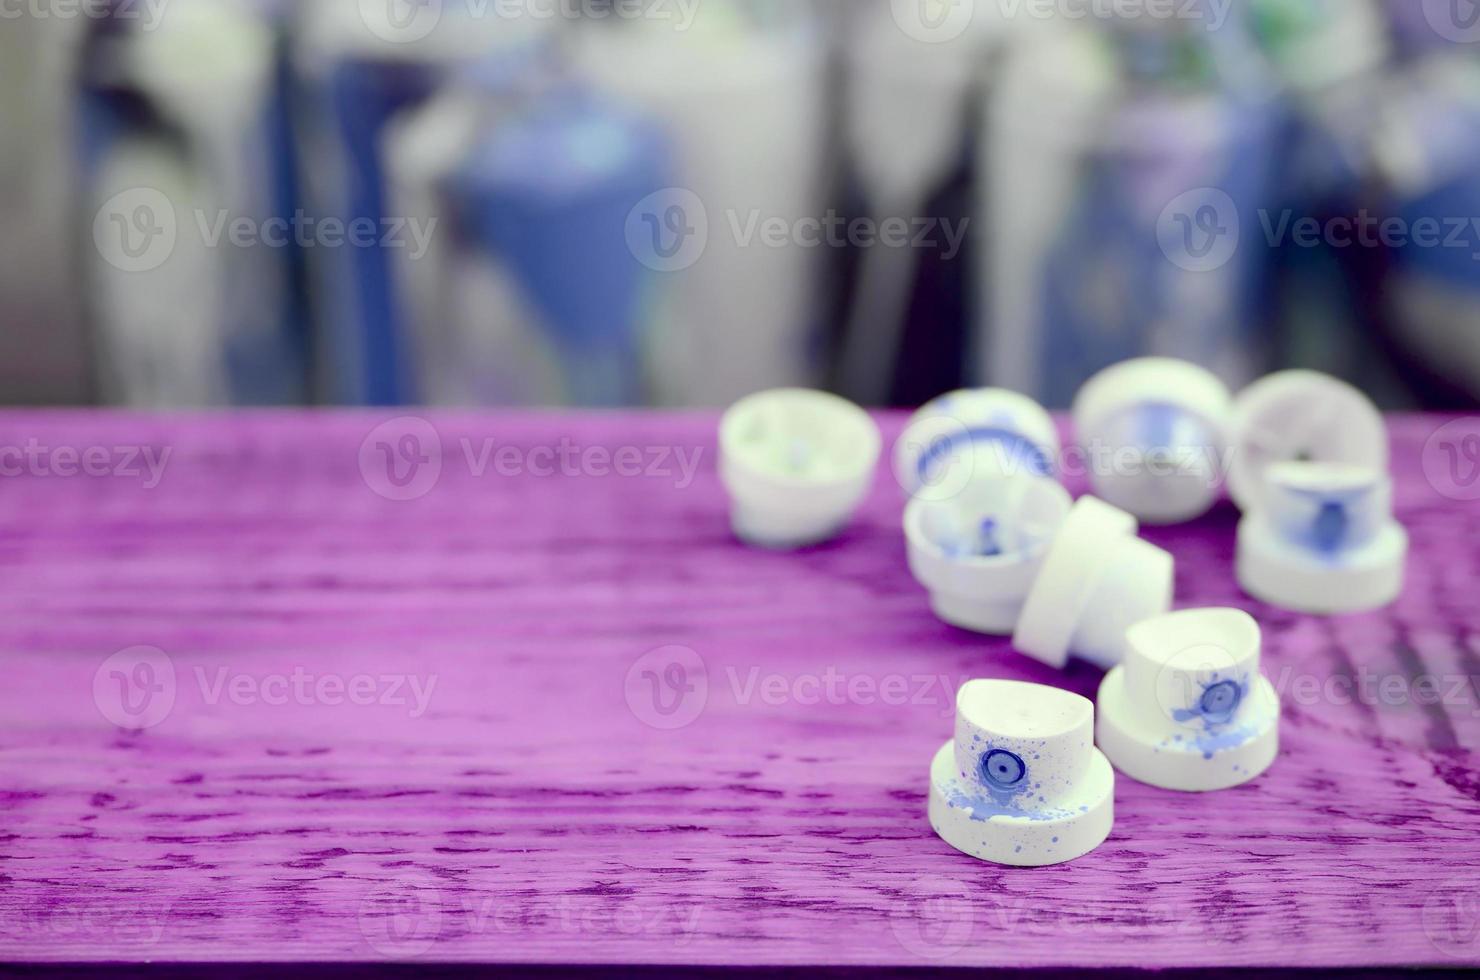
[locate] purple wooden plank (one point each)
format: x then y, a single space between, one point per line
487 775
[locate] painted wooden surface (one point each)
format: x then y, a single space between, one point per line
544 712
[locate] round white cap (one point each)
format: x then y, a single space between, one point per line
978 553
1189 710
1021 783
1301 416
978 826
1155 431
1097 579
1292 576
1322 539
796 463
965 435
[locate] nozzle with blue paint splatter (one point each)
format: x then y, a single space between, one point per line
1004 773
1021 783
967 436
995 518
1197 666
1327 509
1219 701
1212 703
1023 746
979 553
1189 710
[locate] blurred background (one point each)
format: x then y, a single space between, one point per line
678 202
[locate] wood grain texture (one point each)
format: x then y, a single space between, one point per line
531 807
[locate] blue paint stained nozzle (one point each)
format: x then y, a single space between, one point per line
1323 539
1330 527
1022 783
1189 709
979 552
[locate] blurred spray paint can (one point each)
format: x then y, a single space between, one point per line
476 338
1125 161
549 193
907 130
1428 152
1328 57
362 68
186 145
739 90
